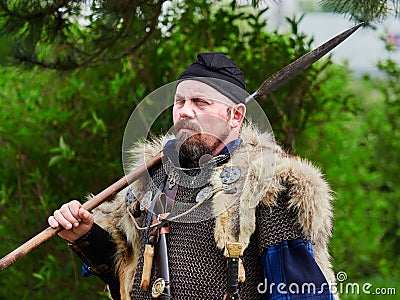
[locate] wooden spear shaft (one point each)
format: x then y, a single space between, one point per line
110 191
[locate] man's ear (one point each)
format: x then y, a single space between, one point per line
237 115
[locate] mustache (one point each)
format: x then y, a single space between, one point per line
187 124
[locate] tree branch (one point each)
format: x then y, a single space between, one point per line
34 15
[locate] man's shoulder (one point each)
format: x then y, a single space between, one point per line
287 167
278 171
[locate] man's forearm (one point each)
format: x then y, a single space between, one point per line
97 249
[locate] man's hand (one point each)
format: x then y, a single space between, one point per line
74 219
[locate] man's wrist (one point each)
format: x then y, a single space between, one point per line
83 239
96 248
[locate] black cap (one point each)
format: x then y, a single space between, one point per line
218 71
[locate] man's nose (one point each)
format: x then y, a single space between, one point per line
187 110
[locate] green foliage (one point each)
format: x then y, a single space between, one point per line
387 148
66 35
43 164
363 10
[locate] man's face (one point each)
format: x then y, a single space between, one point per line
201 118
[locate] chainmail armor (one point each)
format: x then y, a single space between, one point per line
276 224
194 274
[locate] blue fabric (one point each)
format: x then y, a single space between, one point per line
291 272
231 146
85 271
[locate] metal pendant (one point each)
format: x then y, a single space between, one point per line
230 175
203 194
158 288
145 203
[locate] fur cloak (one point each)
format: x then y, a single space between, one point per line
267 170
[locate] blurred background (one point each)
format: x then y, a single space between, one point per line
72 72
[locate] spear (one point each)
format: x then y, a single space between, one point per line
268 86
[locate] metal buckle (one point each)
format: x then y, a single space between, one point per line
234 249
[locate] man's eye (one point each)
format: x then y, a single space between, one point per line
201 102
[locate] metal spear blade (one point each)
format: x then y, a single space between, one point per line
293 69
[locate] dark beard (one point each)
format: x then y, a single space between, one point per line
191 147
194 146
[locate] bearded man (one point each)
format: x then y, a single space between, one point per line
227 215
